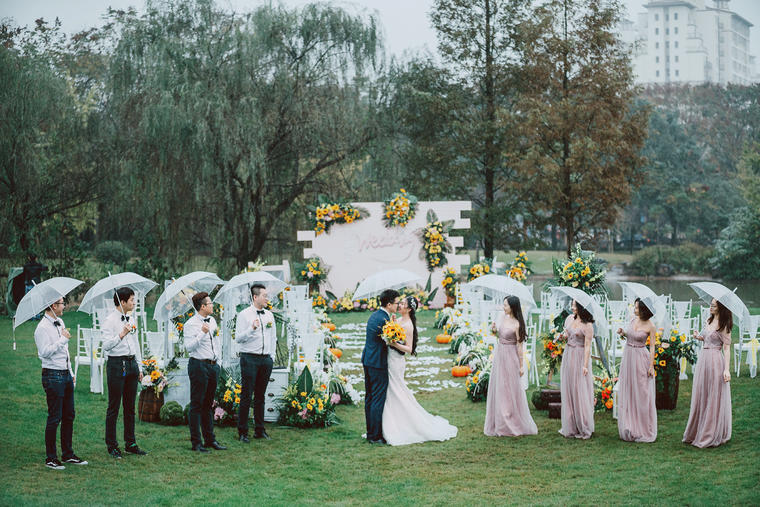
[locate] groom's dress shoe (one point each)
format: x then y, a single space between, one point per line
380 441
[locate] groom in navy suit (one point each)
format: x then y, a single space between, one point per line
375 361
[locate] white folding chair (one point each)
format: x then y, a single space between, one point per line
680 310
747 332
531 354
89 352
155 346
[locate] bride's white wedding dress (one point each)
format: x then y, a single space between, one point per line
404 420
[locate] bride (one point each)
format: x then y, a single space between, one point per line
404 420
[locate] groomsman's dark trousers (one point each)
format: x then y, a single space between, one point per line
123 376
255 370
59 389
376 388
204 375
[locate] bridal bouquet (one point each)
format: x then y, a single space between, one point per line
393 333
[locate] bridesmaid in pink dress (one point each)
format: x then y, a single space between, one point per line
637 414
507 412
710 414
576 382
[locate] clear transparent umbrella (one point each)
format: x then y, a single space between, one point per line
568 294
238 289
41 296
652 301
106 287
373 285
500 286
177 298
707 291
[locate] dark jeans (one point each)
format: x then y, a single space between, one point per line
255 371
203 379
376 388
122 389
59 389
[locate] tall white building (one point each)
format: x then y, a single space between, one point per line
687 41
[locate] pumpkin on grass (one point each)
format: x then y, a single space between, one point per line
460 371
329 326
336 352
443 338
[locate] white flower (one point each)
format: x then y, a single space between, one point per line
146 381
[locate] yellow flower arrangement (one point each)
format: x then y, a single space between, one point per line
399 209
327 214
393 332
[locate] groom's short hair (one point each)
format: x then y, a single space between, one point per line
387 296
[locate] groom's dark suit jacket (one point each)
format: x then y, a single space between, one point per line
375 353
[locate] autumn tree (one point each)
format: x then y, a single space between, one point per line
583 128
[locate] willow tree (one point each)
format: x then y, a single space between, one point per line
480 43
225 120
583 126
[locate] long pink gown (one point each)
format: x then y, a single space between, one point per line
637 414
710 414
507 412
577 389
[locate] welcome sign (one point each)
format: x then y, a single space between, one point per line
362 248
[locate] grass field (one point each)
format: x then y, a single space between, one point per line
335 466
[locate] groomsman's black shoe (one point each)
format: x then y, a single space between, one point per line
199 448
54 464
379 441
262 434
133 449
115 453
216 445
75 460
244 439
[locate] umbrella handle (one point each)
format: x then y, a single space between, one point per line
117 297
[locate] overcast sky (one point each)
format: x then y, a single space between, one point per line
405 22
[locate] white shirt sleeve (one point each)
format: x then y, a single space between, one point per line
193 334
111 329
243 328
47 343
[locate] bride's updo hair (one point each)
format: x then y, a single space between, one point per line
412 303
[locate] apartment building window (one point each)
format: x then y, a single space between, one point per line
675 30
657 73
676 73
676 43
656 17
657 45
667 43
656 59
676 58
667 31
675 16
657 31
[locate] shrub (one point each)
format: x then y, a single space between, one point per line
172 414
686 258
539 403
113 252
736 252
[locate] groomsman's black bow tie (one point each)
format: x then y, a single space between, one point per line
207 319
260 312
57 323
125 317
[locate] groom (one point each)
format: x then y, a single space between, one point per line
375 361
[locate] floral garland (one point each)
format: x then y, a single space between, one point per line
478 269
449 281
327 214
582 270
435 246
520 267
399 209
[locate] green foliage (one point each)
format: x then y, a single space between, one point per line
172 414
112 252
305 383
539 403
686 258
737 254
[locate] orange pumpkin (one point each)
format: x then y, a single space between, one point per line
460 371
329 326
336 352
443 338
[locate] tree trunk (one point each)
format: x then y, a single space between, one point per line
490 144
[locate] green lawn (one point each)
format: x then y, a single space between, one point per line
335 466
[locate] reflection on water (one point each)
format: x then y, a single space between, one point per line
678 288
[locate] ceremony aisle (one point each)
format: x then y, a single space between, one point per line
335 466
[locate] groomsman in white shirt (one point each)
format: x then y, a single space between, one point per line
203 344
124 370
52 340
256 336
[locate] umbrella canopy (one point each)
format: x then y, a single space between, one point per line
106 287
238 289
569 294
177 298
651 300
639 290
499 286
707 291
41 296
388 279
